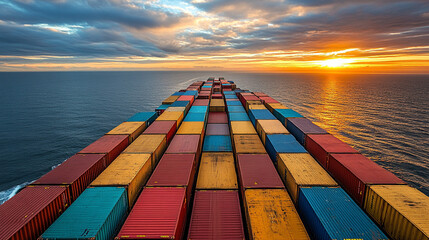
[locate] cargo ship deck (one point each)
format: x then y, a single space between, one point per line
214 161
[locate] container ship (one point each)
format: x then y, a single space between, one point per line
217 162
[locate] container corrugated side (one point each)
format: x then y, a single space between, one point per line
159 213
132 129
355 173
248 144
76 173
270 214
329 213
402 211
320 145
112 145
267 127
216 215
217 171
299 170
151 144
27 214
130 171
96 214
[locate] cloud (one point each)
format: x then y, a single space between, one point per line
194 30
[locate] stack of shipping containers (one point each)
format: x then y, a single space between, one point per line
217 179
216 212
263 192
161 210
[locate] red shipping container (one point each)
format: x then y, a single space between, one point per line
268 100
217 129
186 98
204 95
217 96
76 173
251 98
112 145
260 94
201 102
216 215
257 171
355 172
162 127
320 145
217 117
30 212
174 170
185 144
159 213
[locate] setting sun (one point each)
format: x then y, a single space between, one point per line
334 63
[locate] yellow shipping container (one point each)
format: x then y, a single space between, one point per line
128 170
195 128
402 211
265 127
257 106
302 170
171 116
151 144
217 105
242 127
248 144
252 102
272 106
217 171
133 129
271 214
175 109
170 100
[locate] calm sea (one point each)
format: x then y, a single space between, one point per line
47 117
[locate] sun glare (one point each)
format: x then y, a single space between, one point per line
335 63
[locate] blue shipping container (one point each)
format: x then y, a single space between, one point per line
198 109
236 109
238 116
180 104
282 114
97 213
217 143
233 103
330 213
260 114
147 117
177 94
282 143
195 117
229 93
231 97
191 93
207 86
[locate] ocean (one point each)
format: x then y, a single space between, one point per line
46 117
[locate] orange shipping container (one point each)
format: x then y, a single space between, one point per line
133 129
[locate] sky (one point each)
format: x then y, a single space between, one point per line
358 36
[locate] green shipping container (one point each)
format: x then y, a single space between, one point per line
98 213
